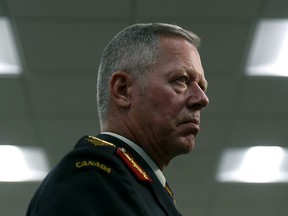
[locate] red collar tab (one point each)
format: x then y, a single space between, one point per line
133 165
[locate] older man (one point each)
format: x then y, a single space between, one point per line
151 90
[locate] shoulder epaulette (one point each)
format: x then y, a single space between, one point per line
98 142
136 169
94 163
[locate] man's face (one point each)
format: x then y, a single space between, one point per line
167 111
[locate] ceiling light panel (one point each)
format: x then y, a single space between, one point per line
269 50
18 164
258 164
9 58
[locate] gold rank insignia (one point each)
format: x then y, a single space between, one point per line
98 142
129 161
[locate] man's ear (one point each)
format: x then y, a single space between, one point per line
121 88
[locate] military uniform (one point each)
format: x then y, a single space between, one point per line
102 176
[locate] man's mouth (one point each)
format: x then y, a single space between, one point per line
191 125
190 121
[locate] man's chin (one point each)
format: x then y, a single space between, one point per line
182 145
188 143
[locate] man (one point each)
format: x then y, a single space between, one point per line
151 90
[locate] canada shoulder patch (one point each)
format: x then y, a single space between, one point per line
82 164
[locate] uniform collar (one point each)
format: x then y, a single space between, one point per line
144 155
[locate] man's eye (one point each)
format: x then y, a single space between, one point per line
184 80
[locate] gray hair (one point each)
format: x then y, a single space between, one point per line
134 50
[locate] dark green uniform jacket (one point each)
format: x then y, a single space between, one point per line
101 176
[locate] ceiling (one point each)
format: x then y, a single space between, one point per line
52 103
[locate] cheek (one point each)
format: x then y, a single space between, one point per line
162 102
159 101
164 107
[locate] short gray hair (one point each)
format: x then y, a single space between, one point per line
134 50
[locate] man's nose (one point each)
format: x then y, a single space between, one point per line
197 98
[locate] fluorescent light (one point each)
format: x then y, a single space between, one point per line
269 51
259 164
9 59
22 164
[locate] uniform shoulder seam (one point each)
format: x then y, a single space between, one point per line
98 142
